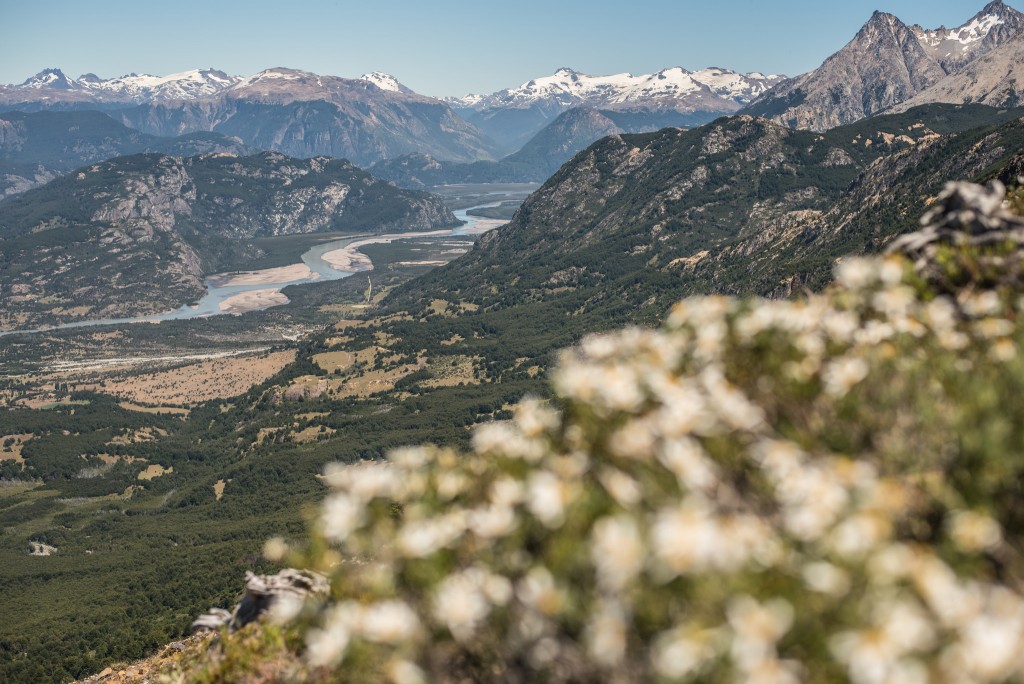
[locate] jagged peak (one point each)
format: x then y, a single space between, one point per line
51 77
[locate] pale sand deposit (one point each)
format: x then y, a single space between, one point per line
269 276
349 258
254 300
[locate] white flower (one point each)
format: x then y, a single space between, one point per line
460 605
974 532
547 496
363 481
410 458
325 647
606 634
636 439
990 645
856 273
535 418
285 608
676 654
858 534
617 551
389 622
842 375
826 578
624 489
404 672
688 462
422 538
539 591
492 522
275 549
341 515
757 627
890 271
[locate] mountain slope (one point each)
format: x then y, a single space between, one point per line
571 132
996 79
887 63
37 147
134 235
739 206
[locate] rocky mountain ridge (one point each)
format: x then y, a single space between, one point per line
135 235
887 63
286 110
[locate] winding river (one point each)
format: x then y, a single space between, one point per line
262 285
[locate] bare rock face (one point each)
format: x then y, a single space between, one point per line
995 79
883 65
995 25
891 65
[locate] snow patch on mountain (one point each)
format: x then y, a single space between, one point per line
180 86
384 81
568 87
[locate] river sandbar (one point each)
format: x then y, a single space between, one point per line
253 300
267 276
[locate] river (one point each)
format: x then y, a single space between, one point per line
219 288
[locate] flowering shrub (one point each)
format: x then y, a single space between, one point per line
816 490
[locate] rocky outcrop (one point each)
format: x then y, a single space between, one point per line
262 593
971 219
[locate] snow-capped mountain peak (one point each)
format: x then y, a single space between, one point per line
50 78
741 88
384 82
568 87
953 48
181 86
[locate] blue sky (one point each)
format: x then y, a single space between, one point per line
439 47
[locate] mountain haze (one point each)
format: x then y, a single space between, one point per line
37 147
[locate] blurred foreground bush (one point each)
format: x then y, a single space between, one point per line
818 490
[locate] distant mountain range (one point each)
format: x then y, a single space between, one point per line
889 63
295 112
514 115
37 147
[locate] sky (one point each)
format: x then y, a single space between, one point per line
440 47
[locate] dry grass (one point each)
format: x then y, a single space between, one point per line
147 434
218 489
11 446
195 383
452 371
177 410
154 471
311 434
335 361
